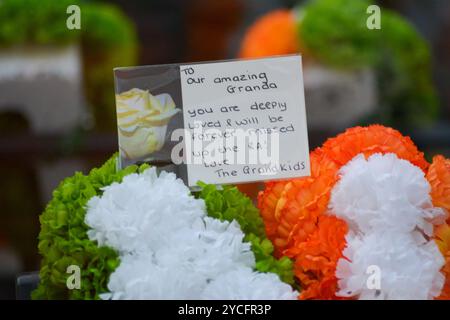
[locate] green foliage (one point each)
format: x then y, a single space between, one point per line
108 41
107 37
106 27
230 204
43 22
63 239
334 32
30 22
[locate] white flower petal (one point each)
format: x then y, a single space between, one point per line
169 248
386 203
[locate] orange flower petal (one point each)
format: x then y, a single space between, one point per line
317 257
370 140
307 199
439 178
442 238
267 203
284 204
273 34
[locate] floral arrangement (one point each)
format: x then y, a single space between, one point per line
397 52
137 235
170 248
372 204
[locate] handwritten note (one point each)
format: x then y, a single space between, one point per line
245 120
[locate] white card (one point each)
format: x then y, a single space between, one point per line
244 120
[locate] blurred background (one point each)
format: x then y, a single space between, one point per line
57 111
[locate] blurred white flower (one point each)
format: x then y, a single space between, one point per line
386 203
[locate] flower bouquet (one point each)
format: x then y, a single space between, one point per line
334 40
368 223
134 234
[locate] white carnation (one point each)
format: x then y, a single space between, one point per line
140 277
169 248
384 192
245 284
387 205
143 211
388 265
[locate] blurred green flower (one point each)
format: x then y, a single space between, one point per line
334 32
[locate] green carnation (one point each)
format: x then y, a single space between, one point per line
63 239
229 204
335 33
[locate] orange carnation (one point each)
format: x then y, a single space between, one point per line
439 178
272 34
317 257
442 235
284 204
370 140
304 200
267 202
